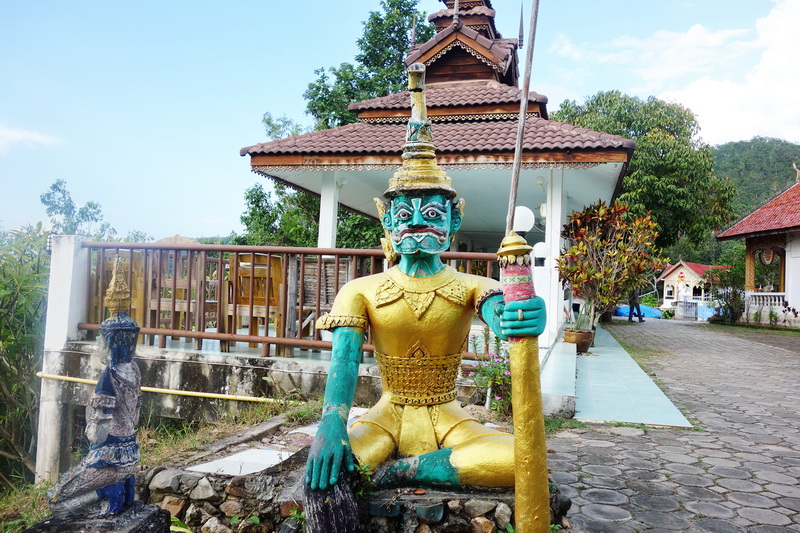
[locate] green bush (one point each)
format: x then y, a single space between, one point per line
24 269
649 299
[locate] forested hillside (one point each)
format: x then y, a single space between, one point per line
760 168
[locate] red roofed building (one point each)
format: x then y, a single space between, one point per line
473 103
683 282
772 234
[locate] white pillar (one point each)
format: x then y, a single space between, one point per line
328 209
556 217
66 308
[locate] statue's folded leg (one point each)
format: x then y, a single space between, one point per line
371 443
470 455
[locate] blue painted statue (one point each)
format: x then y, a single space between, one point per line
103 483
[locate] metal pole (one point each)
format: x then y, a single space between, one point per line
531 489
523 112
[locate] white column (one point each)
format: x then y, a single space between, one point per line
66 307
556 217
328 208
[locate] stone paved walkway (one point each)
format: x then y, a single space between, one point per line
738 471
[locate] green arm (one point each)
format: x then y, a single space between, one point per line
331 446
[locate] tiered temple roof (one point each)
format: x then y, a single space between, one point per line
472 100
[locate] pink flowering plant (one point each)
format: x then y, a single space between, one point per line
493 374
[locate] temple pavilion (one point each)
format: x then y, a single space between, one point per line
473 103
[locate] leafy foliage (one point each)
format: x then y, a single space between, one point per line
280 127
727 290
24 266
670 175
379 69
610 253
494 372
290 219
69 219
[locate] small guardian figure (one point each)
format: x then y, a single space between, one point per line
103 483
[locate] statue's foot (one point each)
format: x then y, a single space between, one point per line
432 470
396 473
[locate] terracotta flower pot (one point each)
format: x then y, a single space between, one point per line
581 337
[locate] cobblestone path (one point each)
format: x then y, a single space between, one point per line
738 471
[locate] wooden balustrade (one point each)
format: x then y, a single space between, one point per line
200 291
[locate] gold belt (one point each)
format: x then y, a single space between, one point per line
420 379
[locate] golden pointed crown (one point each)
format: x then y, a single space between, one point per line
118 296
419 172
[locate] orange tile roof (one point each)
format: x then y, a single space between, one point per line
489 136
453 94
779 215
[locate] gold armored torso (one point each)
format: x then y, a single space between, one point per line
419 325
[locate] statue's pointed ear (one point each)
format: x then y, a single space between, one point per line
456 216
386 222
383 214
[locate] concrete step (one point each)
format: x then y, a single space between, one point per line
558 375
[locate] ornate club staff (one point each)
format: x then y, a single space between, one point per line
532 493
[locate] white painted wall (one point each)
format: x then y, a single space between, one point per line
66 308
793 269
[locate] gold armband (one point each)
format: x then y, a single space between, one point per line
327 321
485 296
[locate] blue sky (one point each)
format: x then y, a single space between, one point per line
143 106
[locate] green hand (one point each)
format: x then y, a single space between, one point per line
504 318
331 446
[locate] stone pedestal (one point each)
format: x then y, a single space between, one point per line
138 518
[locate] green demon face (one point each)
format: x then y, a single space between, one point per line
421 223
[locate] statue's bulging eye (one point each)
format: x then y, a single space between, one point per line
403 214
433 213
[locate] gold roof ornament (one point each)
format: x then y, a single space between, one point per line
419 172
118 296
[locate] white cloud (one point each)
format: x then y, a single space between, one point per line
10 136
765 101
740 82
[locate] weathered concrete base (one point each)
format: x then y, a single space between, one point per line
138 518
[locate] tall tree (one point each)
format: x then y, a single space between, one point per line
69 219
671 173
290 219
379 68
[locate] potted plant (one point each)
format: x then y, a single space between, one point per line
607 252
578 331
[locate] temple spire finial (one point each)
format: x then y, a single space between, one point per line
521 27
456 20
414 31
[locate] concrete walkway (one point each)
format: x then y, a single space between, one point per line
738 470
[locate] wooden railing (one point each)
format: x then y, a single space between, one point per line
199 292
